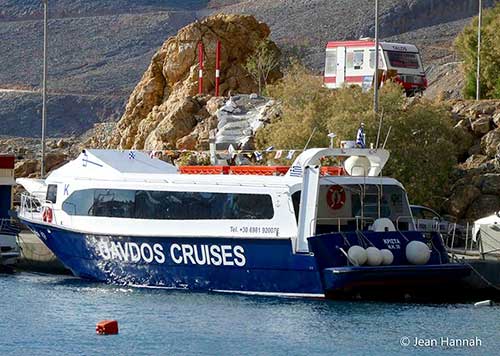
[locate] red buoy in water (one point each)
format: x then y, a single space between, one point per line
107 327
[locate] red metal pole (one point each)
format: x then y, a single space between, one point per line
217 68
200 73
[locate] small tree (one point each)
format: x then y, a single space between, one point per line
262 62
466 45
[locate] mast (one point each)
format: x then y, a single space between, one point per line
44 87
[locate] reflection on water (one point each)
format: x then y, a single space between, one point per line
52 315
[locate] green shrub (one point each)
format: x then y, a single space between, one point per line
421 140
466 46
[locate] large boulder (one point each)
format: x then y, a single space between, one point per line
490 143
461 198
483 206
25 168
490 183
159 100
482 125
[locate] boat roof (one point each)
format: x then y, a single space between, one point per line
134 168
112 164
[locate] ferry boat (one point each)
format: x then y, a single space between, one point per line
125 217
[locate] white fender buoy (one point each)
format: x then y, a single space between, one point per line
417 253
357 254
383 224
374 257
387 257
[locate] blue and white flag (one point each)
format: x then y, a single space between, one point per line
290 154
360 137
258 155
270 148
296 171
131 155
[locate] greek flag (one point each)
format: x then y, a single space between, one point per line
131 155
296 171
360 138
290 154
258 155
270 148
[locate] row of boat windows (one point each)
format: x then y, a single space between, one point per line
164 205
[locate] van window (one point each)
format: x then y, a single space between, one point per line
358 59
380 59
403 59
331 63
52 193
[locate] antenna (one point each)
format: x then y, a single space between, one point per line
379 127
386 137
309 140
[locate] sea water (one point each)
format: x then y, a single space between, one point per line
56 315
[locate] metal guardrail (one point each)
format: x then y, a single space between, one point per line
31 207
339 221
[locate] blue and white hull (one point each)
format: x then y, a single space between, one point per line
253 266
241 265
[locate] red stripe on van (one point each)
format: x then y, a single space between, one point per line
357 43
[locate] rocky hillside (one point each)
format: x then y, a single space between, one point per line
101 48
164 108
476 189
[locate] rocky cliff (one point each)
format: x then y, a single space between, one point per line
164 109
476 189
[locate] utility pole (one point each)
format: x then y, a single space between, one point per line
478 74
44 86
375 91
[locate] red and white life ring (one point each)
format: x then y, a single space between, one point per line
335 197
47 214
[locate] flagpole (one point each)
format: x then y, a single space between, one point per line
44 87
375 91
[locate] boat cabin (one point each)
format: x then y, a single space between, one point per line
128 193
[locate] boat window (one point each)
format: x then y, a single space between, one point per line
52 193
79 203
392 202
403 59
163 205
296 204
113 202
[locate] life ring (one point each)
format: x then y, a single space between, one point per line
335 197
47 214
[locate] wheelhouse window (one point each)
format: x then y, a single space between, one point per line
403 59
163 205
52 193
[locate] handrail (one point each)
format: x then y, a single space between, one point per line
357 219
32 207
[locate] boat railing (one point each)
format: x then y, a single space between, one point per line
32 207
342 221
485 247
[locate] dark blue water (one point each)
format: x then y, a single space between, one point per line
54 315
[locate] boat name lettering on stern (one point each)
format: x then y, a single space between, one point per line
187 254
